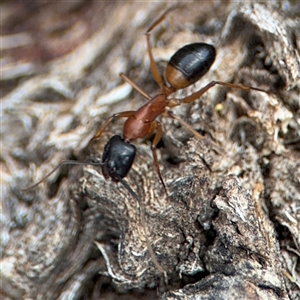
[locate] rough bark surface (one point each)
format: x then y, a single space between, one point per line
229 228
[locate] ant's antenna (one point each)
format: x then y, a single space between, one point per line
143 221
128 188
64 162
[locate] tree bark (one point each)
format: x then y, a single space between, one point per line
229 227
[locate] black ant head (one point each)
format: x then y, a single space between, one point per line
117 158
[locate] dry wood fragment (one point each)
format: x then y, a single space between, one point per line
231 226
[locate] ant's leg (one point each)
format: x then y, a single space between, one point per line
135 86
153 65
155 141
186 125
202 91
196 133
160 18
123 114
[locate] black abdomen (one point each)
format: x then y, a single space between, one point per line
189 64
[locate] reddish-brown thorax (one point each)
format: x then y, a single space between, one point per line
141 123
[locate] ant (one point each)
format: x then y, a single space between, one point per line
184 68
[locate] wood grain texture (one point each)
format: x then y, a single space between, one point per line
230 227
